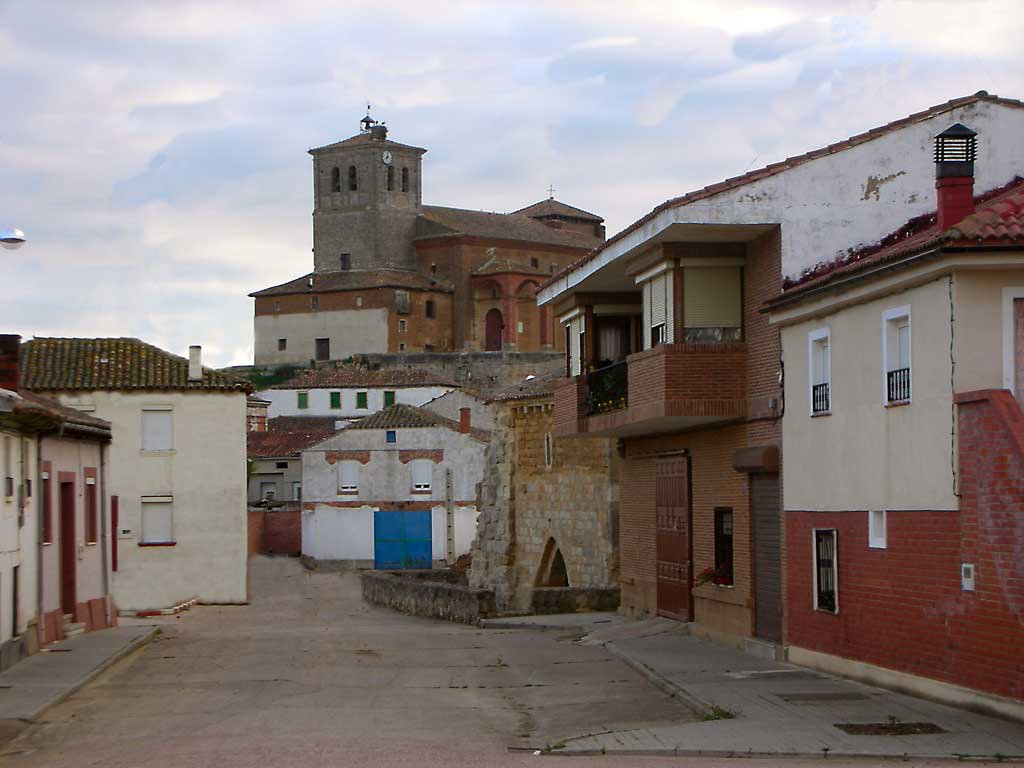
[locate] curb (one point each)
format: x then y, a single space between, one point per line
501 624
93 673
160 611
699 706
736 754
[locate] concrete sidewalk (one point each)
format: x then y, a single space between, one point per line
35 684
755 707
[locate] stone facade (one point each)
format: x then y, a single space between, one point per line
549 511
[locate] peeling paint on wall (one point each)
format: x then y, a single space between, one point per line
874 184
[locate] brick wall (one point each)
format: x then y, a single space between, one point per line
255 529
714 481
902 607
282 532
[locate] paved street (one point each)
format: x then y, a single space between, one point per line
310 676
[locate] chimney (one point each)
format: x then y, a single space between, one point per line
195 363
10 347
464 420
955 151
378 132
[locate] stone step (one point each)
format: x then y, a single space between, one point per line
73 628
765 649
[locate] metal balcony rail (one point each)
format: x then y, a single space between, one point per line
898 385
819 398
608 388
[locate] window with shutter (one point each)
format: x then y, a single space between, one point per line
348 477
335 399
361 400
422 470
302 400
713 297
658 310
389 399
402 302
157 522
157 430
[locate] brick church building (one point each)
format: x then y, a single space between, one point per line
393 275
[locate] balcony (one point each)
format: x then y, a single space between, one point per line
668 388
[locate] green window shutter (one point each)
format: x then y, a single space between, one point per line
335 399
389 399
361 400
303 400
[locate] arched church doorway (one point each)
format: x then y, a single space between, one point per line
492 331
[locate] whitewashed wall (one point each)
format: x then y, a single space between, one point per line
205 475
18 545
285 402
351 332
844 200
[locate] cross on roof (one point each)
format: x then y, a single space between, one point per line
551 192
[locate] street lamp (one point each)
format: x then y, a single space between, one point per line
12 238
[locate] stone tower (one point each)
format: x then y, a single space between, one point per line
367 193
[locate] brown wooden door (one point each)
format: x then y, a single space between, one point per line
765 509
672 505
68 555
492 331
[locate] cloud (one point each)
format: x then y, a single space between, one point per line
156 154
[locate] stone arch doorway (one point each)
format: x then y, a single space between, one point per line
493 330
552 572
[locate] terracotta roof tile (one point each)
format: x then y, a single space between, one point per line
790 162
302 423
552 207
53 364
499 266
264 445
438 221
355 280
360 376
403 416
527 390
45 413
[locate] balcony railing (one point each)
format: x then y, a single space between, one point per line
898 385
819 398
608 388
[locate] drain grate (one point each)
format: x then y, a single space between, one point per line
889 729
812 696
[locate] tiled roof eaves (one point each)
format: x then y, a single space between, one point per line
783 165
413 281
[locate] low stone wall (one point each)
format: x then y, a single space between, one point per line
428 593
572 599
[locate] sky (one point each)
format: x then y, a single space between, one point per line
154 152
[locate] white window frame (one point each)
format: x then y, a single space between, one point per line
417 466
814 567
155 500
162 409
889 317
878 526
814 339
296 490
345 485
1009 342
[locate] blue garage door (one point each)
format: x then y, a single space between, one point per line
401 540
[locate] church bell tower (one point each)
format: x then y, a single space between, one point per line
367 193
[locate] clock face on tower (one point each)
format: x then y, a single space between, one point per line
386 157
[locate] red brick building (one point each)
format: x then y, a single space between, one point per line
393 275
904 442
670 352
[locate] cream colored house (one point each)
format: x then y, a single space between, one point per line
903 445
177 463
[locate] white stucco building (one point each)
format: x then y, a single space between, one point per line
394 490
352 392
177 464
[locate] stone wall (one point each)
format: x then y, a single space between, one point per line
436 594
534 510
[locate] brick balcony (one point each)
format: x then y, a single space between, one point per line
671 387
